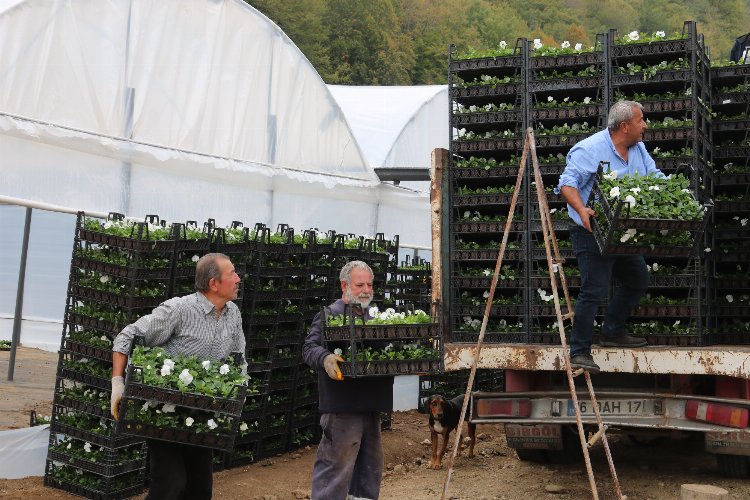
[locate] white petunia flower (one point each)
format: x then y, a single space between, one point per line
206 365
537 43
224 369
730 299
550 98
579 46
633 35
654 188
630 200
614 192
168 362
189 421
503 44
486 295
166 370
104 278
195 258
612 175
338 351
660 34
87 447
565 44
487 272
467 214
373 311
744 221
70 445
168 408
145 406
587 100
707 250
635 190
186 377
388 348
243 427
211 424
655 266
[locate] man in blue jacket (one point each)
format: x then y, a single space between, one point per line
621 145
349 462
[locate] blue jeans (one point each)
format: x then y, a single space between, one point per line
597 271
350 457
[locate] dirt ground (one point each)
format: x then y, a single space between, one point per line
645 473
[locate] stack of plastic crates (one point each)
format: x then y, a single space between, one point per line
411 284
114 279
488 118
731 139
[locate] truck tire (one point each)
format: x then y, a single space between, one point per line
528 455
733 465
571 452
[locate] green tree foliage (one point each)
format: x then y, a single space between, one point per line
392 42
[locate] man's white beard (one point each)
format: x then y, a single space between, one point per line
362 301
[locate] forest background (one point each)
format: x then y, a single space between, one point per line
405 42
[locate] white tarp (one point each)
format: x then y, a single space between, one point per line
24 452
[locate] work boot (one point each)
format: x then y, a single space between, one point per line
584 361
622 341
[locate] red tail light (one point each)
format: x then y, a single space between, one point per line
503 407
730 416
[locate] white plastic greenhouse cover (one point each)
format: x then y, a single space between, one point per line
188 109
396 126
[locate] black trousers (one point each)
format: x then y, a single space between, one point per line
179 471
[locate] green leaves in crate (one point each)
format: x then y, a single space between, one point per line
106 283
565 48
640 37
177 417
187 373
86 422
565 129
387 317
508 189
392 352
90 337
90 395
487 80
487 163
128 229
650 197
552 102
590 70
502 49
487 108
92 453
649 71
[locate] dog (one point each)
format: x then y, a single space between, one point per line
444 416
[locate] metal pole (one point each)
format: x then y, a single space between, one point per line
19 295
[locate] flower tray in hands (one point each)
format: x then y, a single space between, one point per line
646 215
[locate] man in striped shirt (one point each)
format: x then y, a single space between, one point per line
206 325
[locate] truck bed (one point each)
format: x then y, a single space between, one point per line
730 360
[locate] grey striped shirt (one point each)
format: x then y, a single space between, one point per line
188 326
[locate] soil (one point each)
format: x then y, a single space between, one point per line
645 472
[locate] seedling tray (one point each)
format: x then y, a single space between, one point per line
391 367
223 442
383 332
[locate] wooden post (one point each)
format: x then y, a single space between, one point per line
439 164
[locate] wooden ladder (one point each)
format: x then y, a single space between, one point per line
555 267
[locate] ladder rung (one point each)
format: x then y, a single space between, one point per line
596 437
577 372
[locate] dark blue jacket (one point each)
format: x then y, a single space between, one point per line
351 394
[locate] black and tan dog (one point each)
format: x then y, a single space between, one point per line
444 416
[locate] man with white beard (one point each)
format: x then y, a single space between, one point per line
349 462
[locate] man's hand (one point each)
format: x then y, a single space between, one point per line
585 214
118 387
331 364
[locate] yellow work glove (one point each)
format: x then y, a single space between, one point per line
118 387
331 364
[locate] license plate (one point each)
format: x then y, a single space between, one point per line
612 407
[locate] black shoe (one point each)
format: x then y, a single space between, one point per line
622 341
584 361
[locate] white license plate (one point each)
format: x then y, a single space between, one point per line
613 407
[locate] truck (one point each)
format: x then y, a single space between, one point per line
649 393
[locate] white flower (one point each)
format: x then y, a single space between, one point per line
103 337
635 190
195 258
104 278
211 424
707 250
587 100
185 377
145 406
566 99
487 272
565 44
660 34
70 445
612 175
206 365
87 447
189 421
744 221
628 234
730 299
224 369
467 214
503 44
168 408
654 188
686 190
486 295
243 427
655 266
614 192
166 370
338 351
550 98
579 46
168 362
630 200
373 311
633 35
676 323
537 43
388 348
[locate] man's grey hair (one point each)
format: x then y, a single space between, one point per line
620 112
346 272
207 268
